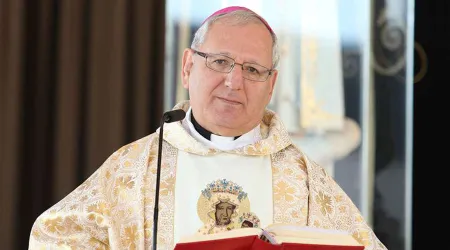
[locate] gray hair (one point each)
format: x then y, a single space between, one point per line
239 17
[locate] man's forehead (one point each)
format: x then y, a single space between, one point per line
228 43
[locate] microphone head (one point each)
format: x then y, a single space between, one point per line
174 115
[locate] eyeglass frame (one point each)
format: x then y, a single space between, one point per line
205 55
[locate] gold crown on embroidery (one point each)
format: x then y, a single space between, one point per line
224 186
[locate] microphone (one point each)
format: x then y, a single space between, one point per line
173 116
168 117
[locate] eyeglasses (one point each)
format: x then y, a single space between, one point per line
225 64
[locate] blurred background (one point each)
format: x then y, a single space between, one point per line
79 79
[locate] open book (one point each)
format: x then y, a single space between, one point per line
275 236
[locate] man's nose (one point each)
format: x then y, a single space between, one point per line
234 79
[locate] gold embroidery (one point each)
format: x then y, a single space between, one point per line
324 203
284 191
100 208
54 225
167 186
289 188
122 186
342 209
129 237
362 237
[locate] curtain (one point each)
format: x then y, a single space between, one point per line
78 80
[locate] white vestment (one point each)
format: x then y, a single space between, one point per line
202 190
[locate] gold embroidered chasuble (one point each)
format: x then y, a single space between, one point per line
113 208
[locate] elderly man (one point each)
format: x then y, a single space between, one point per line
229 159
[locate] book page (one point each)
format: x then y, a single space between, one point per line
303 234
297 228
345 241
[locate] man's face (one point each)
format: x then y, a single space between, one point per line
224 210
226 103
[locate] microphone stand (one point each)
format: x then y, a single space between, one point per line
158 177
169 116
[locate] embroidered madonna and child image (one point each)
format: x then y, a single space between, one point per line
224 206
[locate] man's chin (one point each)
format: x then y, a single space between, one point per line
229 111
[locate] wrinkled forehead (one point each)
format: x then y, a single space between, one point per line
250 42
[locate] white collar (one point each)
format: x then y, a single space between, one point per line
222 142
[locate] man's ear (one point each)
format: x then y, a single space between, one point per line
186 67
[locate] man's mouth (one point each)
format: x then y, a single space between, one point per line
229 101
